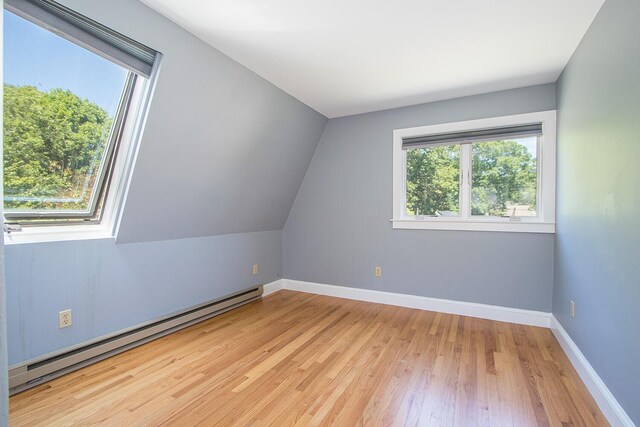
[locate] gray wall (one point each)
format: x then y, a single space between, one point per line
224 151
4 391
339 227
597 262
113 286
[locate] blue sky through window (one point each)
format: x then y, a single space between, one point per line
36 57
532 145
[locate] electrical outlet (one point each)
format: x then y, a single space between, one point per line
572 309
64 318
255 269
378 272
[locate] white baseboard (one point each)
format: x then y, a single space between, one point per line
272 287
483 311
608 404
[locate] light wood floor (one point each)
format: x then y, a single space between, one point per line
296 358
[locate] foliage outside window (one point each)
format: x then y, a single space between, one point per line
74 93
53 143
433 177
504 179
63 108
476 184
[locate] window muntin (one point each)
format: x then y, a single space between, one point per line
506 183
64 109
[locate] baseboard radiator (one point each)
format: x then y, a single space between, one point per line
37 371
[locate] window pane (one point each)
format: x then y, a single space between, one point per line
433 181
59 103
504 178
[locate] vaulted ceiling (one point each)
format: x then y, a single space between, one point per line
348 57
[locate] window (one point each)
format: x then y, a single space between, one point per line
494 174
73 91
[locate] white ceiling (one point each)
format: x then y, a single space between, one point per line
345 57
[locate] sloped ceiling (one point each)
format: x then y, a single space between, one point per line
349 57
223 150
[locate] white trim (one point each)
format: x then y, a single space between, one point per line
56 234
608 404
545 223
131 155
468 225
272 287
483 311
464 196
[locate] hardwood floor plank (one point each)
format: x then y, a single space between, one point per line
301 359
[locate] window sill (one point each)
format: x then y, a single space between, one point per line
57 234
474 225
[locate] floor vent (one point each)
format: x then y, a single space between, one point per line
34 372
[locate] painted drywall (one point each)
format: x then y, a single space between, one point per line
597 255
112 286
4 375
339 229
4 392
224 151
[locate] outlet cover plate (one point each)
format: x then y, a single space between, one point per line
64 318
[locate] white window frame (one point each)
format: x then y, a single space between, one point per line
543 223
120 177
131 55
